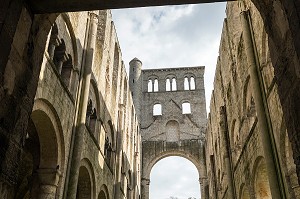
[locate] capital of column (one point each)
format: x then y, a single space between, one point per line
49 176
93 15
145 181
203 180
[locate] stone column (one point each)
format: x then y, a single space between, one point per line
53 43
225 140
145 188
161 85
119 155
62 57
265 133
203 187
48 179
83 102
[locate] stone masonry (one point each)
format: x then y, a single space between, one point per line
73 125
167 127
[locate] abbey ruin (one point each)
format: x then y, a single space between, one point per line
74 125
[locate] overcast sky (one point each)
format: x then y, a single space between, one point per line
172 36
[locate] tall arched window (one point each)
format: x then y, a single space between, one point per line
155 87
157 109
186 108
168 85
174 85
186 84
192 83
150 86
60 56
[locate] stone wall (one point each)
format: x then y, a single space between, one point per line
109 156
233 90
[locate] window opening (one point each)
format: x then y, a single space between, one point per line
186 84
157 109
186 108
174 85
150 85
168 85
155 89
192 83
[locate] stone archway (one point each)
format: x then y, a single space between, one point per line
286 65
84 186
261 181
153 151
43 157
103 193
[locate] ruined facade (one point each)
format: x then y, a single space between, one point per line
73 126
172 117
80 143
239 139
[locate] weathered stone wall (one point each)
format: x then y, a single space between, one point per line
110 158
234 90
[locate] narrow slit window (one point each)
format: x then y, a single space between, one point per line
168 85
155 85
186 108
186 84
150 85
157 110
174 85
192 83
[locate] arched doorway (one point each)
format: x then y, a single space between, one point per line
102 195
261 181
175 177
42 158
245 193
84 186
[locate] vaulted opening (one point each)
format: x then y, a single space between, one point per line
174 177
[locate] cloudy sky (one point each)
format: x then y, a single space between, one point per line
172 36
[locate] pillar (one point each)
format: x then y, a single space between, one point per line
265 132
228 163
48 179
135 84
53 43
145 188
83 102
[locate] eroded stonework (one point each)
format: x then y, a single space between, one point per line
73 126
172 116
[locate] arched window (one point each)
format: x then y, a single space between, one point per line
54 41
174 85
192 83
60 56
168 85
186 108
261 184
186 84
155 87
150 86
157 109
66 72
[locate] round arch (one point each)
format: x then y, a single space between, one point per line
261 180
244 192
44 155
170 154
50 132
103 194
86 181
183 158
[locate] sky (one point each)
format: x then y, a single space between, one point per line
172 36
